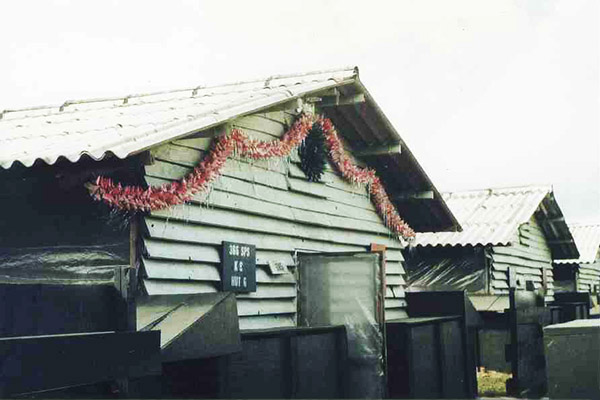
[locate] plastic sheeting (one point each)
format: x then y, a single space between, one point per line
564 286
63 264
343 290
52 231
459 271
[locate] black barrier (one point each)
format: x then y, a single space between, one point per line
287 363
526 318
38 309
452 303
572 305
45 363
426 358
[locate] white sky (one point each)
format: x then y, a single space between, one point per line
486 93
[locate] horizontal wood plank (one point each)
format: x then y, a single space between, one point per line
178 231
203 272
248 307
253 223
157 249
267 322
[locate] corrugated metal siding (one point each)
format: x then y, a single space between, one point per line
530 256
269 204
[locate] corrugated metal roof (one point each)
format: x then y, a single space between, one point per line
587 239
490 216
129 125
126 125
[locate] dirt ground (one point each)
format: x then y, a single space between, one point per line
492 383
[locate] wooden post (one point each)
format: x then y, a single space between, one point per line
131 288
126 283
544 282
381 249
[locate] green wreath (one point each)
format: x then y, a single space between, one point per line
313 153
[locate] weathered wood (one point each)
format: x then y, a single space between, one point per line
395 268
208 254
500 275
499 284
336 101
394 255
394 292
395 280
399 313
560 241
202 143
202 272
519 261
173 230
394 303
534 244
527 271
177 154
267 322
272 175
271 292
374 151
522 251
412 195
310 188
261 124
270 205
247 307
357 211
161 287
239 221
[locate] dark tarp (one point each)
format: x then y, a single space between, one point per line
52 231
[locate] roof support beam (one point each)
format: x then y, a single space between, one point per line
560 241
395 148
548 219
334 101
414 195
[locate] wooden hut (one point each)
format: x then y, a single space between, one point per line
581 274
507 232
54 232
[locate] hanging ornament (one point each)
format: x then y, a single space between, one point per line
313 153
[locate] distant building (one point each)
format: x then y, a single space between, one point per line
581 274
510 238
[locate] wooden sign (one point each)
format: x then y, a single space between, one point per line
238 261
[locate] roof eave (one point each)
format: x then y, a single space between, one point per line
453 225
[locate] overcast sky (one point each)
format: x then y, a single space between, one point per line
486 93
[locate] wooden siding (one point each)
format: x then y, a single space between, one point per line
530 255
589 275
266 203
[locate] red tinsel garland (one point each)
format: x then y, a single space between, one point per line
238 143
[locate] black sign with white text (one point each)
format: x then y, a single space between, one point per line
238 262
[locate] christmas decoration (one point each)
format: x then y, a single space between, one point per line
313 153
237 143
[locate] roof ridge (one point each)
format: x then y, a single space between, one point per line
125 98
498 190
584 224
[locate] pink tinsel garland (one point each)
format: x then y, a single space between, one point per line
200 179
